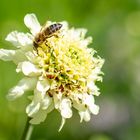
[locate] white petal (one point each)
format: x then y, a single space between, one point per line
19 39
50 107
65 25
32 108
46 102
76 34
81 32
85 42
78 106
39 117
32 23
29 69
38 96
94 109
31 56
19 56
12 55
77 102
65 108
57 98
23 85
93 88
19 67
84 115
43 85
7 55
62 124
89 101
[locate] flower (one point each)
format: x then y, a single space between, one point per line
61 71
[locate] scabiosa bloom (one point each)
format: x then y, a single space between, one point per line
61 71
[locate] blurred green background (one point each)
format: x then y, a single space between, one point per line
115 28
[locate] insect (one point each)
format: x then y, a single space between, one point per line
45 33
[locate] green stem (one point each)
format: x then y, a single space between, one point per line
27 131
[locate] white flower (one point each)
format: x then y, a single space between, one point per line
61 71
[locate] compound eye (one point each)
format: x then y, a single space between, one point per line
37 38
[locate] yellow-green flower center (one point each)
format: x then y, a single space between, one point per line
66 64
